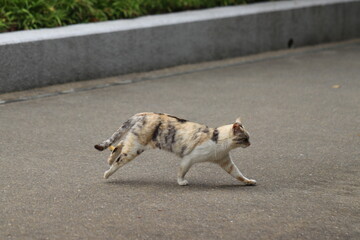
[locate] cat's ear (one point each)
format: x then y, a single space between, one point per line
238 120
237 126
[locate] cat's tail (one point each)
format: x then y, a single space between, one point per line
116 135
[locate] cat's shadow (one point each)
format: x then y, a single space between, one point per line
193 186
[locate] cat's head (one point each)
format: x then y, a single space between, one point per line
240 135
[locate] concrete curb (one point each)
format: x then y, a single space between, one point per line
86 51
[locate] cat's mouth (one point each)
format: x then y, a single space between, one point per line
242 142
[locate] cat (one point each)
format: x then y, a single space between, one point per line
193 142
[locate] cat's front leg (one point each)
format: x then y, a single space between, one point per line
185 165
228 165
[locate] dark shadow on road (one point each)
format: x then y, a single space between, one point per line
193 186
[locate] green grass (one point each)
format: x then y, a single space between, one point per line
32 14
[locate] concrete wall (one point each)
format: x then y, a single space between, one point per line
37 58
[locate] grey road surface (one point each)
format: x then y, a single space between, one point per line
301 107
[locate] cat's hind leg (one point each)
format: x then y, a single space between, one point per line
129 151
228 165
123 159
115 152
114 167
185 165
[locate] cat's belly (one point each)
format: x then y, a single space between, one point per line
208 151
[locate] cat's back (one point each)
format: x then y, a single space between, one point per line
165 121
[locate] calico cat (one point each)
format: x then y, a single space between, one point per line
192 142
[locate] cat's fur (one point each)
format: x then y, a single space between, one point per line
193 142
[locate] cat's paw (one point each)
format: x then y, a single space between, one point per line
183 182
107 174
251 182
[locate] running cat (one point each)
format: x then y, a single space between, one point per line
193 142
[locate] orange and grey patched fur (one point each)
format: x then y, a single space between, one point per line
192 142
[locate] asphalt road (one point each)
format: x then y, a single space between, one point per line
305 154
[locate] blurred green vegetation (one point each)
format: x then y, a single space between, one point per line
33 14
